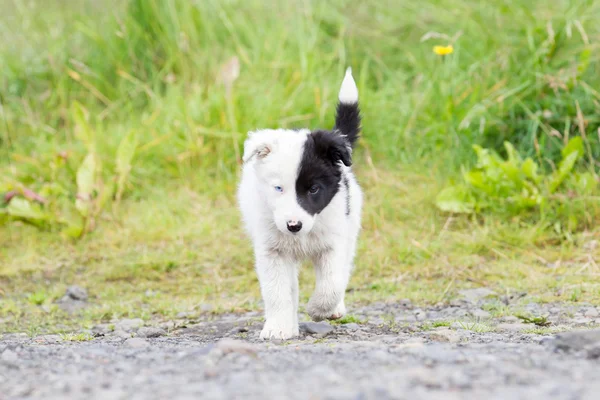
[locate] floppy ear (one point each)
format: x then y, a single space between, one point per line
333 147
259 144
339 151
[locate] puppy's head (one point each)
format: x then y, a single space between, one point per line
299 172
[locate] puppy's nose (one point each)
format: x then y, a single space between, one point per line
294 226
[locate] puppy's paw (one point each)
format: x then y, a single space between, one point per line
339 312
318 312
279 329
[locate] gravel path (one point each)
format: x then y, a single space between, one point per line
397 351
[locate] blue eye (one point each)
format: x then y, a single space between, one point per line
279 189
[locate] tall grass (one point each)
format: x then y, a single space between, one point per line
519 72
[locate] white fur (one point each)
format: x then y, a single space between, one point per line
271 158
348 91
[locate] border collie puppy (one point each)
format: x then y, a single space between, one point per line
299 200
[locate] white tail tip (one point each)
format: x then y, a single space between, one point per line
348 91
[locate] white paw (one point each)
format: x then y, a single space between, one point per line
339 311
276 329
319 312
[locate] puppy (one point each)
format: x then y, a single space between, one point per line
299 200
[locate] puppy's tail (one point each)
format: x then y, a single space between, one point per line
347 117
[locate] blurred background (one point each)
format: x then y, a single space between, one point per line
122 124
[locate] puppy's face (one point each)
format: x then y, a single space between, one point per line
299 173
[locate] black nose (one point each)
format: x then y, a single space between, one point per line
294 226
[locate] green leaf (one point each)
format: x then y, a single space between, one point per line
86 177
455 199
125 154
23 208
513 156
530 169
564 169
83 131
575 144
584 61
73 231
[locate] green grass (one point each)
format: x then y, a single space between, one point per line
427 326
79 337
523 71
349 319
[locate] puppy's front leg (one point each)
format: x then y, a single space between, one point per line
278 278
332 273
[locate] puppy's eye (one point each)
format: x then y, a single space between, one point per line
314 189
278 189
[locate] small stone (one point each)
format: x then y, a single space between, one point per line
77 293
236 346
581 321
577 340
120 334
516 327
205 307
444 335
482 314
129 325
351 326
460 380
239 329
316 328
591 312
136 343
9 357
425 377
211 372
377 321
380 356
475 295
15 337
48 339
420 315
150 332
182 314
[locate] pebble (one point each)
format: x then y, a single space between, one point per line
515 327
136 343
150 332
591 312
129 325
475 295
351 326
481 314
77 293
9 357
316 328
48 339
444 335
577 340
236 346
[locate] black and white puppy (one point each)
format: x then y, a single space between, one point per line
300 200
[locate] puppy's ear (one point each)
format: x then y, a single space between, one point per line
333 147
339 151
259 144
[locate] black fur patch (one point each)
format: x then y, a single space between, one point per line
320 169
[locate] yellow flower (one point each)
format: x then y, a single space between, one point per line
443 50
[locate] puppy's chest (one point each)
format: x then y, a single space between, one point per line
302 246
